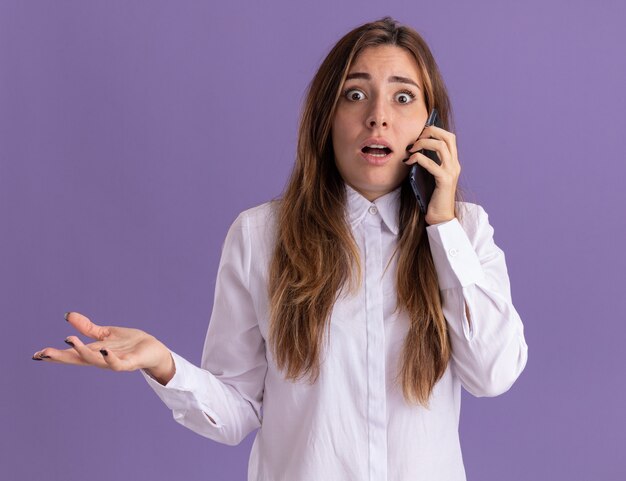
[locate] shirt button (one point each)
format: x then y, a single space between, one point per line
453 252
373 210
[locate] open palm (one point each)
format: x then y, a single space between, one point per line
114 347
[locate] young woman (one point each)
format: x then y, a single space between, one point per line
345 322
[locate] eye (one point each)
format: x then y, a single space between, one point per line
353 94
405 96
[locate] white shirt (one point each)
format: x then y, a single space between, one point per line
353 424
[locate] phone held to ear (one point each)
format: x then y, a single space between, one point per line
423 182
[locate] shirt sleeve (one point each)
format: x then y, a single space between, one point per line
228 387
487 335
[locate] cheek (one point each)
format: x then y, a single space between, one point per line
413 127
341 134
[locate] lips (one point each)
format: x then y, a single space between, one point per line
380 142
376 151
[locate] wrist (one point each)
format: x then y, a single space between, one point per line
444 220
439 220
165 369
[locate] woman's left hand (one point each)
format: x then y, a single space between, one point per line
441 205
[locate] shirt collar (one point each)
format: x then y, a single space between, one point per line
388 207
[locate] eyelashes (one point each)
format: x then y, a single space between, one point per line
407 92
347 91
347 96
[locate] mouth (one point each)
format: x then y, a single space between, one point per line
377 152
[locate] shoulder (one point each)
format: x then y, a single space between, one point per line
255 229
260 218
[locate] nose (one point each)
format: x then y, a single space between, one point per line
373 122
377 116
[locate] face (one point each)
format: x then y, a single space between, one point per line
382 103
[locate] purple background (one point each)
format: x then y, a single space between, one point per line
133 133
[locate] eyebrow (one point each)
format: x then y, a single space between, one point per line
393 78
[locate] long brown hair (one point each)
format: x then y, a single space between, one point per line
315 252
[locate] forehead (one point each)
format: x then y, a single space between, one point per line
386 60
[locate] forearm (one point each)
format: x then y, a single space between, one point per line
486 332
205 404
489 349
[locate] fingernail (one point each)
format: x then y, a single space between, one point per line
408 147
104 352
37 359
69 342
67 314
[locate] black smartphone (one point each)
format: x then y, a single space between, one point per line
423 182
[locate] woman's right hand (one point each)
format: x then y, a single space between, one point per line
116 348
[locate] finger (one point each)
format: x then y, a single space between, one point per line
442 155
86 354
65 356
412 158
84 325
449 162
114 362
434 132
437 145
429 164
443 176
438 133
95 346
